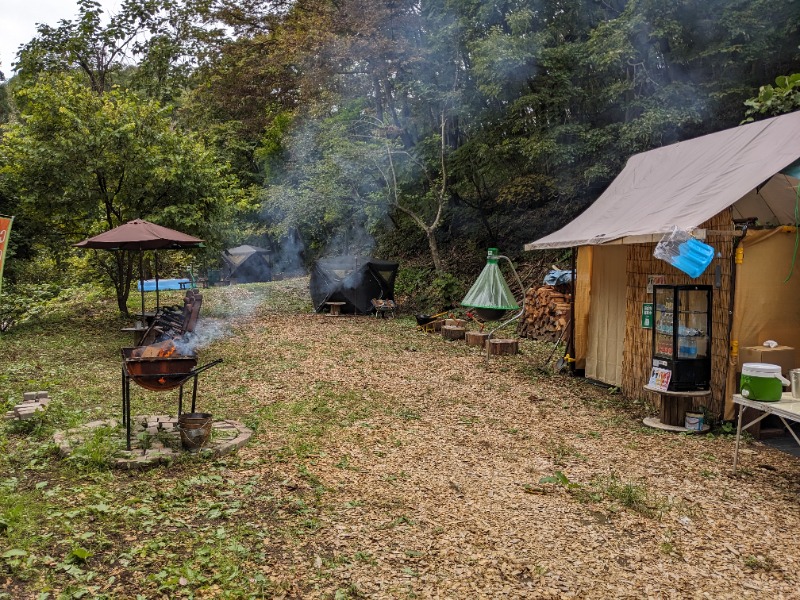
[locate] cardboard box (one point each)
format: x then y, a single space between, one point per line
783 356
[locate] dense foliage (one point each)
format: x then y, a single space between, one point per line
420 130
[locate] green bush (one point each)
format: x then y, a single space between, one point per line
25 301
423 290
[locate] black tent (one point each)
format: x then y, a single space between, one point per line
247 264
354 280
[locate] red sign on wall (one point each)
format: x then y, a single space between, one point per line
5 231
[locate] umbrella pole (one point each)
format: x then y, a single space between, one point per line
141 277
155 260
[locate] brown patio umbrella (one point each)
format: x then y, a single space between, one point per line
141 235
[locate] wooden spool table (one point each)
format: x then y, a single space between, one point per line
674 406
336 308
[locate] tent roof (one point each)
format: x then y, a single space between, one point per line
687 183
246 250
235 257
349 263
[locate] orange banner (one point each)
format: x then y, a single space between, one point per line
5 231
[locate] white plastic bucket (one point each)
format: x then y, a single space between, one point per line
694 421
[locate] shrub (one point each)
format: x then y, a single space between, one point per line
25 301
420 289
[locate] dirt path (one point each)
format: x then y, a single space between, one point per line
418 468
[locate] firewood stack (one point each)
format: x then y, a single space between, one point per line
548 312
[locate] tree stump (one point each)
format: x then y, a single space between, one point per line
501 346
451 332
455 322
476 338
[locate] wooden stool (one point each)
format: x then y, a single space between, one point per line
451 332
336 308
138 331
503 346
476 338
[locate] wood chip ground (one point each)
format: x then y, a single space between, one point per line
432 488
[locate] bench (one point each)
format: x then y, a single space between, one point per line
336 308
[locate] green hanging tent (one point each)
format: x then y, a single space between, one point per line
490 295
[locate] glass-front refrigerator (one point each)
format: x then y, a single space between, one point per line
682 335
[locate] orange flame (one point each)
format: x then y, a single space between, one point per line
167 351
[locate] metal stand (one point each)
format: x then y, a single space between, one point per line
787 409
516 316
126 392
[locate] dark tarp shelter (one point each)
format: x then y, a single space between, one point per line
247 264
354 280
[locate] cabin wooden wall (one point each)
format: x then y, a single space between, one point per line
637 355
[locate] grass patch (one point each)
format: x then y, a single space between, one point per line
615 492
561 451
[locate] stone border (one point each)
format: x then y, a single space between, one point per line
155 440
32 402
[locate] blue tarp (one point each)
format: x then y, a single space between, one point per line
556 277
164 284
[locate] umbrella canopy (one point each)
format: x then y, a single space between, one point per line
141 235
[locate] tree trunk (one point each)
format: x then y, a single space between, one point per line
121 278
433 245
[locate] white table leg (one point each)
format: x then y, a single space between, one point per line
738 437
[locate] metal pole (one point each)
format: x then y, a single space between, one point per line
194 393
155 261
516 316
141 277
128 412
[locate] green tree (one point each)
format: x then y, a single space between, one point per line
145 45
78 163
772 101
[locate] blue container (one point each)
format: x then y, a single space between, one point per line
694 257
164 284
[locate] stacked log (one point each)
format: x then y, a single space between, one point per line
548 312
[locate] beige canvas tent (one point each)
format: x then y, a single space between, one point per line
700 185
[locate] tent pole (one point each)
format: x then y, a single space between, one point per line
571 342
